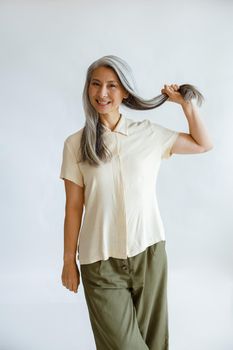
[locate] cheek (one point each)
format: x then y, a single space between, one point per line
116 95
91 91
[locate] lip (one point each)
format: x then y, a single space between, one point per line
103 103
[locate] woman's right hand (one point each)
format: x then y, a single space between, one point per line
70 276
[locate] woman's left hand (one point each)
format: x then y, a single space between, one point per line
172 92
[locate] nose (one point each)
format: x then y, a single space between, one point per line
103 92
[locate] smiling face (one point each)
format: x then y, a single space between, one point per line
106 91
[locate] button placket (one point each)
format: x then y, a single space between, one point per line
124 265
122 194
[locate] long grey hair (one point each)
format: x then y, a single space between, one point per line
93 148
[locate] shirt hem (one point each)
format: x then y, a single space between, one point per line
106 257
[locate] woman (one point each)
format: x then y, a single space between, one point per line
110 167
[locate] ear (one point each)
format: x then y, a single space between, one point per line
127 95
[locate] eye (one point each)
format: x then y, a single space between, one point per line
95 83
113 85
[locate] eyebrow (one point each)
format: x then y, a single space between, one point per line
110 81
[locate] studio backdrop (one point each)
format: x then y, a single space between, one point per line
46 47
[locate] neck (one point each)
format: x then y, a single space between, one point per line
110 121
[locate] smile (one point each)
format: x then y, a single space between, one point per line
103 103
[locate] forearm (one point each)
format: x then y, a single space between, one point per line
72 223
197 128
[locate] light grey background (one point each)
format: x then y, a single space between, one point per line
46 47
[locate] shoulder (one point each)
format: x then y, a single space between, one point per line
148 127
73 143
74 138
143 124
155 127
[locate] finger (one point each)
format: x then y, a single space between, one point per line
167 90
75 289
175 87
170 89
69 285
75 286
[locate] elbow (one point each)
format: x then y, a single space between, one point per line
208 148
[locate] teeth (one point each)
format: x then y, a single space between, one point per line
103 103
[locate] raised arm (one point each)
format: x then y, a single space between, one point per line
198 139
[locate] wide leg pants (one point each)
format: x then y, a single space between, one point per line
127 300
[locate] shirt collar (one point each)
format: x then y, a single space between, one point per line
121 127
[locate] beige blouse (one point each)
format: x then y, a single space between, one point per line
121 214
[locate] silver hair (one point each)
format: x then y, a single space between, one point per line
93 148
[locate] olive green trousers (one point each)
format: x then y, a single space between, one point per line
127 300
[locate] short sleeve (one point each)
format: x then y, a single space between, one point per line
166 138
70 168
